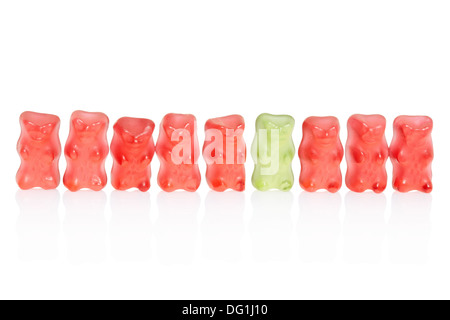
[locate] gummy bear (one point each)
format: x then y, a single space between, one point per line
321 153
86 151
224 151
411 153
273 151
366 153
39 149
132 149
178 151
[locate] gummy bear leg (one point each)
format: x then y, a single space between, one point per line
400 185
427 186
378 187
191 185
240 185
23 182
71 185
261 184
334 186
309 186
218 185
144 186
166 184
285 185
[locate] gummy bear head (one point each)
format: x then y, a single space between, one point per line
324 136
134 132
324 130
370 128
415 130
39 126
39 132
178 125
284 124
89 125
87 131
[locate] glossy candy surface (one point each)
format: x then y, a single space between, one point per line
86 151
224 151
366 153
132 148
39 149
273 151
411 153
321 153
178 151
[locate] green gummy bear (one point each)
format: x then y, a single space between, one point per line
273 171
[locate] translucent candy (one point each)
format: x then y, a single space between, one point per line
321 153
39 149
411 153
86 151
178 151
224 151
366 153
273 151
132 149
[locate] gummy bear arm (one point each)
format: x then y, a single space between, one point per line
393 151
71 153
24 152
146 160
120 158
312 155
51 155
356 155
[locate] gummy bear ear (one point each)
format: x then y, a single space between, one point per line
332 132
47 129
358 126
30 126
79 124
377 131
188 127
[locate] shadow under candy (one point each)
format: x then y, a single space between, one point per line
271 225
223 227
85 226
38 224
319 226
364 227
130 226
176 227
409 228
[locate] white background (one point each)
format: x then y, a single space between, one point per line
214 58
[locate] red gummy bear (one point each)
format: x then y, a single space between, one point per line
366 153
321 153
86 151
178 151
132 149
225 153
39 149
411 153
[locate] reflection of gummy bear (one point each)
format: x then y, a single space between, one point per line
273 151
366 153
411 153
132 149
86 151
321 154
39 149
178 151
225 168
